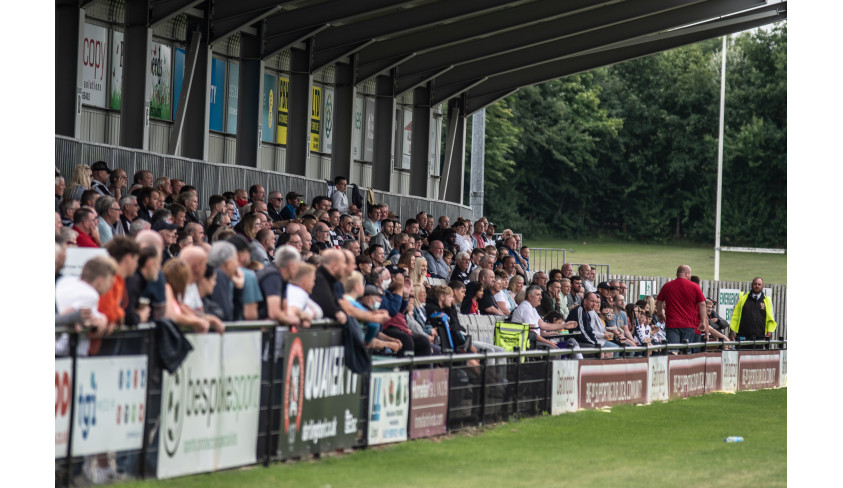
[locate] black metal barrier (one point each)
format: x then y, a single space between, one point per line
497 387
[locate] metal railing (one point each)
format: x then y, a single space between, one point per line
498 388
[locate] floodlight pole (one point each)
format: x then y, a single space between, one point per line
720 165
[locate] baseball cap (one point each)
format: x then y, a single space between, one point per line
162 224
292 194
100 166
606 286
372 290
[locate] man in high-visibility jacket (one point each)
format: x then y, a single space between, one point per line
752 318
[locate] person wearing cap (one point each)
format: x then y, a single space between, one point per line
371 302
99 178
289 211
168 234
606 291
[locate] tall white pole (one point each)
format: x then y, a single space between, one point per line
720 164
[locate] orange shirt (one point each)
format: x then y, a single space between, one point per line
113 303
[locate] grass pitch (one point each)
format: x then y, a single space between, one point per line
678 443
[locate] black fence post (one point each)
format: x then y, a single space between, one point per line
150 357
687 349
73 339
484 368
517 380
269 417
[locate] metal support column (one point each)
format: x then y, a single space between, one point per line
70 28
194 140
137 78
478 161
451 187
420 151
344 93
384 133
298 122
249 100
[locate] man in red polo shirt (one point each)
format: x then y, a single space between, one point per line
682 303
85 223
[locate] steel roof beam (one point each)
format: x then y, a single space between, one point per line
574 45
165 10
503 84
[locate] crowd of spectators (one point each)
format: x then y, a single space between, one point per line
257 255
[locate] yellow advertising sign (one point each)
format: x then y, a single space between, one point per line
315 118
283 107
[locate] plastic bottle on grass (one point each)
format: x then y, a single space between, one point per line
734 438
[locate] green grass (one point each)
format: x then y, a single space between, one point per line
678 443
663 259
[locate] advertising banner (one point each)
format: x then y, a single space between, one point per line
178 77
564 396
328 122
357 130
713 372
210 405
726 302
321 401
160 67
429 411
433 147
729 371
687 375
620 381
76 257
407 140
389 405
216 95
94 65
64 396
110 401
369 139
783 368
646 288
116 98
315 118
283 104
657 379
758 369
233 94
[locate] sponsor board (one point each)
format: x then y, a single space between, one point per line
115 99
94 57
657 379
389 404
726 303
210 406
76 257
357 130
64 397
268 108
713 364
328 123
283 104
315 118
429 410
321 400
160 66
758 369
109 404
564 397
612 383
783 368
729 371
687 375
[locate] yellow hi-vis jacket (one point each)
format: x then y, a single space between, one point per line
770 323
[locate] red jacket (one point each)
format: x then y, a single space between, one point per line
83 239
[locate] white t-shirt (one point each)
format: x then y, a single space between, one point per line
297 297
192 298
526 314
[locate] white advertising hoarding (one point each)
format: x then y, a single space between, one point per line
389 407
76 257
729 371
657 379
357 130
64 397
565 397
210 406
94 65
328 122
110 404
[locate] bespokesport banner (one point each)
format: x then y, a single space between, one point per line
321 400
758 369
210 406
389 403
620 381
110 401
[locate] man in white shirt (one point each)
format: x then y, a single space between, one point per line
526 313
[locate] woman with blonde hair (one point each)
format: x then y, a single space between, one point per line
177 276
515 289
79 182
251 225
418 275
